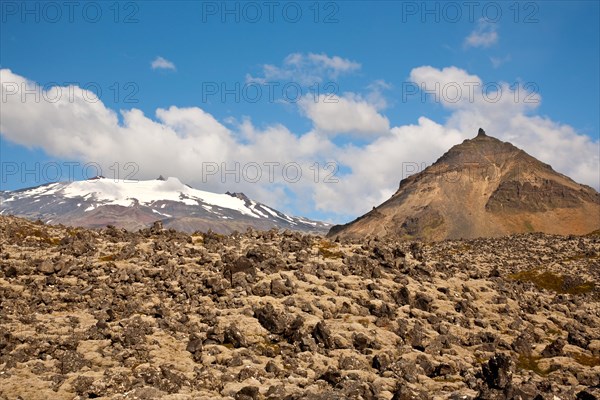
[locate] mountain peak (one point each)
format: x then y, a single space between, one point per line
239 195
481 187
137 204
481 150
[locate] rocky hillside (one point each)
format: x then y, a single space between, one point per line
482 187
159 314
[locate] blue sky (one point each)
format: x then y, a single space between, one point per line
540 58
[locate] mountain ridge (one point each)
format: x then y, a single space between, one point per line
479 188
99 201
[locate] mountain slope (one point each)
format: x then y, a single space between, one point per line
480 188
99 202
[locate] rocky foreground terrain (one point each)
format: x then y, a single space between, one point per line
267 315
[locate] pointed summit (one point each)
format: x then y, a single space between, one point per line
479 188
479 151
240 195
161 178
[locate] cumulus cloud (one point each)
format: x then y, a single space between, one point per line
187 143
306 69
162 63
182 142
334 115
335 65
484 35
375 94
451 86
456 89
378 167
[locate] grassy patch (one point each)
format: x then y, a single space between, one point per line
364 322
530 363
554 282
73 231
580 256
588 361
23 232
211 236
197 237
460 249
328 249
528 226
108 257
552 331
449 379
268 349
480 360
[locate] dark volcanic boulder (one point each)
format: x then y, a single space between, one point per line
497 372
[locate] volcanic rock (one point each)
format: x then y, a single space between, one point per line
154 315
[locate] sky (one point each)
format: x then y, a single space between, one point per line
318 109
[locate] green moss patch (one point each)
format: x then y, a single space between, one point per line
557 283
530 363
528 226
328 249
588 361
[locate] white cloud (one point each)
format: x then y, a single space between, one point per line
306 69
192 122
335 115
499 61
430 75
378 167
375 95
181 141
451 86
335 65
162 63
484 35
456 89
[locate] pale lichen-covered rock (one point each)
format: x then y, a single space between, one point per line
160 314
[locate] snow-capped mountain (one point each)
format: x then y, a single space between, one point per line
99 201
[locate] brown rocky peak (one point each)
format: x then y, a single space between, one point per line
481 187
482 149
